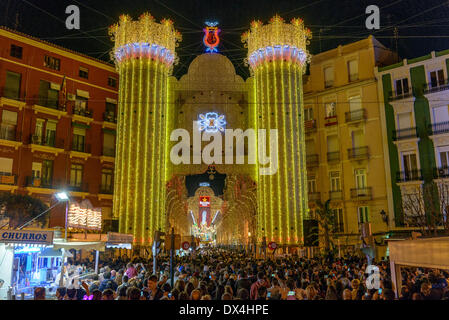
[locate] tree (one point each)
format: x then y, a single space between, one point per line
21 208
326 224
426 207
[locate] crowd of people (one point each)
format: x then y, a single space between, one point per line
218 274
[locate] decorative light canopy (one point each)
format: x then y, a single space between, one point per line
145 38
277 40
212 122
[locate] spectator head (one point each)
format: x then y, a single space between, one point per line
39 293
60 293
183 296
206 297
261 293
96 294
152 282
122 291
107 275
133 293
125 279
226 296
108 294
243 294
347 294
388 294
260 276
71 294
195 295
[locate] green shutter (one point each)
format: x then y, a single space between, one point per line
80 125
110 131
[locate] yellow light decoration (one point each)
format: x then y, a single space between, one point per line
144 53
277 55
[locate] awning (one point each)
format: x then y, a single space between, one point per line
109 100
78 245
82 93
52 253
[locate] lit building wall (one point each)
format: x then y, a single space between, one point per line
144 52
277 55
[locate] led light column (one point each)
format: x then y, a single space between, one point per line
144 53
277 56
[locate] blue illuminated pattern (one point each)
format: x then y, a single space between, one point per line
212 122
211 24
286 53
146 50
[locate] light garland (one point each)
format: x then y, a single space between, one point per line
277 40
84 218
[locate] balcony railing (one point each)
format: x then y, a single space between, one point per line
8 178
336 195
310 126
393 96
333 156
39 183
355 115
330 121
11 94
109 117
442 85
107 189
409 175
9 132
329 83
361 193
441 172
358 153
46 141
86 148
78 187
48 103
406 133
314 196
108 152
438 128
312 159
83 112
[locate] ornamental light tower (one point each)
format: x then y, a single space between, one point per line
144 53
277 56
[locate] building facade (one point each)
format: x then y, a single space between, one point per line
58 123
345 157
414 99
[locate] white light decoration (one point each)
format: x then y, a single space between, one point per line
83 217
212 122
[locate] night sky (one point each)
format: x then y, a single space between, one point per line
422 25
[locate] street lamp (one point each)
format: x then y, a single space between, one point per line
63 196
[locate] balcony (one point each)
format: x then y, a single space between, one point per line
109 117
310 126
82 114
81 151
36 182
106 189
312 160
403 134
333 156
8 181
394 97
436 87
328 84
441 172
359 153
409 175
336 195
78 187
11 98
9 136
49 106
355 116
361 193
330 121
314 196
438 128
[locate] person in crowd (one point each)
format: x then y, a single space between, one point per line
39 293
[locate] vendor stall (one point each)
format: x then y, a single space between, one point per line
25 262
426 253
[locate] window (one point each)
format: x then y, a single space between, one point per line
39 131
106 180
6 166
47 172
339 225
79 137
110 111
363 214
76 174
444 159
48 94
328 77
52 63
404 120
12 85
357 139
330 109
112 82
310 146
16 51
353 70
440 114
308 114
360 178
80 103
84 73
108 144
355 104
402 86
335 181
50 133
8 125
409 163
332 143
436 78
311 184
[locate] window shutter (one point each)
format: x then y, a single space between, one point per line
9 117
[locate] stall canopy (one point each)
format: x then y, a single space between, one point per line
79 245
425 253
52 253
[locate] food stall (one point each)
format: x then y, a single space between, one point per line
25 261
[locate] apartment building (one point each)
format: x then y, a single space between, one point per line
345 156
58 112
